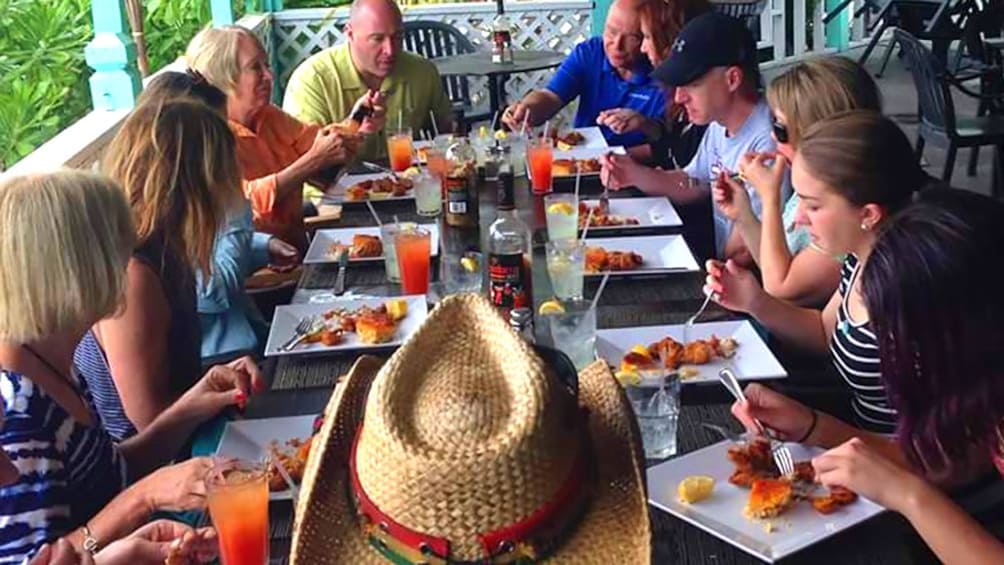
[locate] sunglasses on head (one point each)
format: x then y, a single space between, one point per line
780 130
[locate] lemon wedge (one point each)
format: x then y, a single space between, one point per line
411 172
628 377
483 132
397 308
501 134
469 264
695 488
549 307
561 208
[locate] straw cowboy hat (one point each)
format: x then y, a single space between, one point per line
466 447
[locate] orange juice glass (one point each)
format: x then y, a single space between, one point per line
540 157
399 150
237 496
413 248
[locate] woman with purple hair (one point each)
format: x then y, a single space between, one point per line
931 286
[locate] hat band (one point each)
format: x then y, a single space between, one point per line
525 541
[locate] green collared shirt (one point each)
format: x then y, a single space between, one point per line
323 89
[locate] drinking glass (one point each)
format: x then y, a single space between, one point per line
428 195
435 155
237 496
566 262
574 332
656 403
562 214
387 233
413 248
462 273
540 155
399 150
517 153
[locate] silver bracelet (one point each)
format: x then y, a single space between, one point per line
90 542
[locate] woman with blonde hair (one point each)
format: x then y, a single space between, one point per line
792 267
76 474
277 152
175 162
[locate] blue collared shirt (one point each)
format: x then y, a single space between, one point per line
588 75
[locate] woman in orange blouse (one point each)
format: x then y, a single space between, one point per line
277 152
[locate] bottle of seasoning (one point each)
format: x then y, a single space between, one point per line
521 320
355 120
461 185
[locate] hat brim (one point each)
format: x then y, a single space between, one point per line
614 529
675 71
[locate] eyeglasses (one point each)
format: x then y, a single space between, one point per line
780 130
629 38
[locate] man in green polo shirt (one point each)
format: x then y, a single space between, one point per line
323 88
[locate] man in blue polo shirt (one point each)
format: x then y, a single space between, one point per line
603 73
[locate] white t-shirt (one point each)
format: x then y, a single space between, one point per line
719 151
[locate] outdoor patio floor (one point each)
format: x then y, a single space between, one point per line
900 102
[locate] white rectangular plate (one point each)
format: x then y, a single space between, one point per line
594 138
660 253
721 515
753 359
651 211
250 439
320 246
286 317
336 193
581 152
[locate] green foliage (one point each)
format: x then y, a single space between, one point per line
43 76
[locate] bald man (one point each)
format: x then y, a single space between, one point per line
603 73
323 88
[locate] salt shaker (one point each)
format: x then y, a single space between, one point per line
521 320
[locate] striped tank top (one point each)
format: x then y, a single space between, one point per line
855 354
67 471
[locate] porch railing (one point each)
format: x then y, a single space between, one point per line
787 31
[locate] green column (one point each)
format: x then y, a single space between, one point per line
600 9
112 54
223 12
838 31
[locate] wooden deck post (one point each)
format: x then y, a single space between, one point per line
112 54
223 12
838 31
600 9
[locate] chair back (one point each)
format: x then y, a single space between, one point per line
432 39
937 111
747 10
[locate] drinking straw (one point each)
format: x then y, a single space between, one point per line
526 122
400 119
578 180
397 222
432 118
599 291
495 121
589 221
547 124
373 211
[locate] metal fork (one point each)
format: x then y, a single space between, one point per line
779 452
690 322
343 263
302 329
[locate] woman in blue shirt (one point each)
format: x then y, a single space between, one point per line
67 239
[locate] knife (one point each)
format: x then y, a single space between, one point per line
343 263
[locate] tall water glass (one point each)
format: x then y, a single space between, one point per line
428 196
566 262
656 403
574 332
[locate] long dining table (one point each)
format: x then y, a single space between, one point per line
303 385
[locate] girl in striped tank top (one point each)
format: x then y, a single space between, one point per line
851 172
63 477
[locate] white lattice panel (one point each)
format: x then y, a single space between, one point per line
557 26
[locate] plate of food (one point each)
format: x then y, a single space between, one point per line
638 255
362 244
734 492
286 439
370 186
346 325
586 158
630 213
588 137
711 347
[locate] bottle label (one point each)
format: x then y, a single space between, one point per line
456 195
507 276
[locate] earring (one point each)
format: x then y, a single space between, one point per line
865 227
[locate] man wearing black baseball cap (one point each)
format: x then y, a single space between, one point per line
714 74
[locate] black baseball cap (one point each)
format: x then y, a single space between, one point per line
707 41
